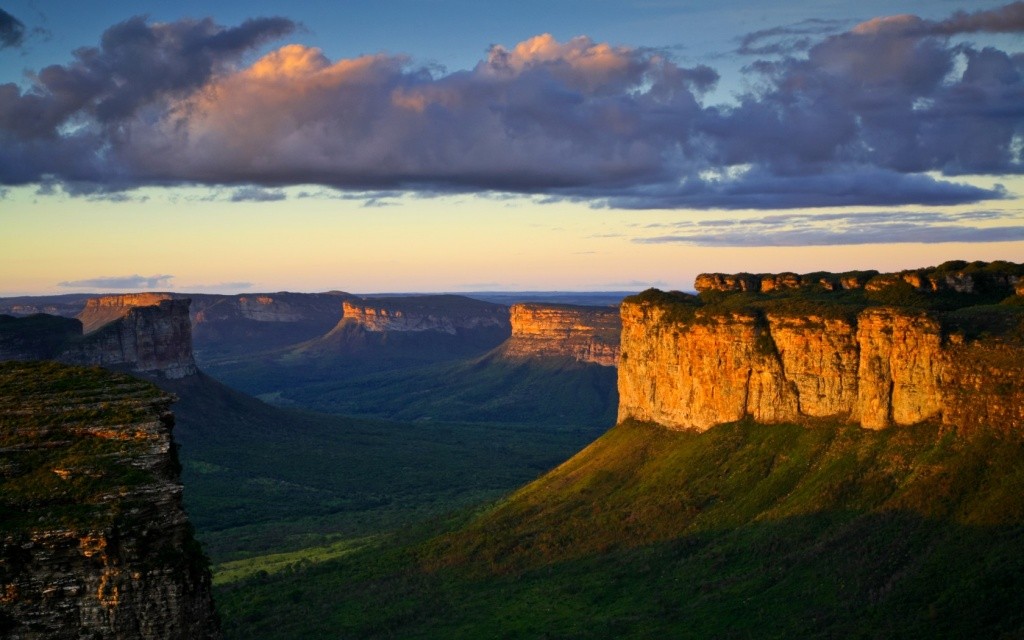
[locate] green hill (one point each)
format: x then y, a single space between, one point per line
743 531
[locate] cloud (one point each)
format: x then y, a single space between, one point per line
886 113
1006 19
12 31
787 39
793 230
760 189
120 282
257 194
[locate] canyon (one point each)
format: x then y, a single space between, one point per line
783 357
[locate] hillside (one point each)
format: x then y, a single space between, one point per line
261 479
559 392
745 530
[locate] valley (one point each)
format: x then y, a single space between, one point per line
817 454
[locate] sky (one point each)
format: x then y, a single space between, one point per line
453 145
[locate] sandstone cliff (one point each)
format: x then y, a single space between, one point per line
105 309
442 313
586 334
149 339
687 363
94 542
146 339
956 275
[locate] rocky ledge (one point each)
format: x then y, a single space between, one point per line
94 542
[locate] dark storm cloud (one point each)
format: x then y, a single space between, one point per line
1008 19
885 113
136 65
12 30
791 230
119 282
758 189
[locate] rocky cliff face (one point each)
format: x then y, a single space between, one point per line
688 365
586 334
443 314
147 339
956 276
151 339
105 309
283 307
94 542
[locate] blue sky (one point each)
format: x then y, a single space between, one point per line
440 145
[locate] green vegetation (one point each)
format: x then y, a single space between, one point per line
67 441
235 570
493 390
744 531
262 480
989 309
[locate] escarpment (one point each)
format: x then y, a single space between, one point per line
150 339
154 339
585 334
105 309
443 313
953 353
94 542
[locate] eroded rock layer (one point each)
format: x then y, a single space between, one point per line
151 339
94 542
586 334
105 309
154 339
443 313
687 364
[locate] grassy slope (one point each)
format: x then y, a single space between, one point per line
744 531
54 420
261 480
490 389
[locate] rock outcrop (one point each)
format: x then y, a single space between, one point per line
148 339
690 365
442 313
585 334
956 276
282 307
153 339
106 309
94 542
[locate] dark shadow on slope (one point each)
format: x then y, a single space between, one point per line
260 478
743 531
553 391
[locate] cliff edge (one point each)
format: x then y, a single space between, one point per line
893 351
154 339
441 313
94 541
584 334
